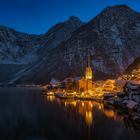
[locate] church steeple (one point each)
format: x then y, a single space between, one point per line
86 83
88 69
89 59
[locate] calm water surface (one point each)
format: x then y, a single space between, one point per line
25 114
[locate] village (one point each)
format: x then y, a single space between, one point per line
122 93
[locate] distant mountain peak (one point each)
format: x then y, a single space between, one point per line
118 9
113 36
116 14
121 6
74 18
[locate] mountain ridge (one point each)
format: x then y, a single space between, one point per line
113 37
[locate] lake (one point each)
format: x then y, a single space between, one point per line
26 114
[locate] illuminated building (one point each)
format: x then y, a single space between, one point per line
85 84
109 86
98 87
88 69
133 75
120 85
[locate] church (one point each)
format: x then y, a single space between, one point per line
85 83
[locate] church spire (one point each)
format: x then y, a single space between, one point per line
89 58
88 69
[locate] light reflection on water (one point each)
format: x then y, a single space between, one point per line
27 114
97 118
85 109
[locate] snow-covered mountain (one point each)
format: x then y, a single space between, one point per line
18 48
22 52
113 37
62 31
22 48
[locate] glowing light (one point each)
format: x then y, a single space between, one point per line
74 103
100 107
89 118
91 105
50 93
65 104
89 73
50 98
83 104
109 113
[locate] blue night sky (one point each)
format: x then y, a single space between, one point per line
37 16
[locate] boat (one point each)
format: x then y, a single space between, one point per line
109 100
64 96
83 97
58 94
109 103
48 93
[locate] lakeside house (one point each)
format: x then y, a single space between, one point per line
132 89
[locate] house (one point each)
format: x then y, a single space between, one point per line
132 88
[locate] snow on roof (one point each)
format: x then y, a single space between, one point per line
134 82
125 101
131 104
132 85
54 81
121 82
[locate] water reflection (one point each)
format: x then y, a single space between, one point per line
51 98
85 109
89 118
27 114
96 117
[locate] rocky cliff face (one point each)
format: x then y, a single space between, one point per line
134 65
118 30
22 48
24 53
18 48
113 38
62 32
